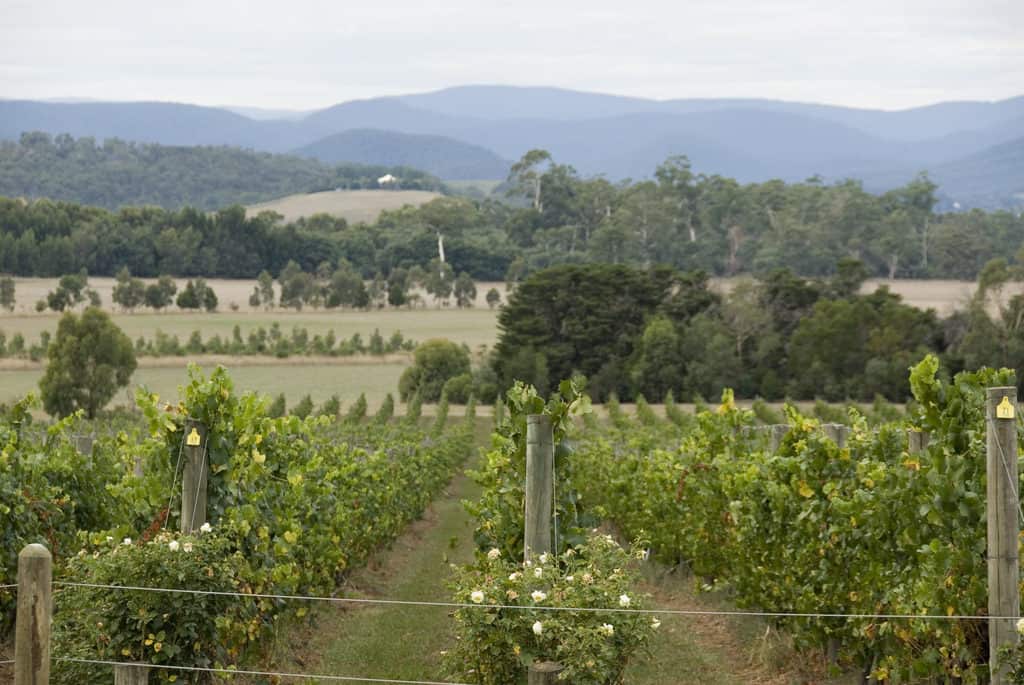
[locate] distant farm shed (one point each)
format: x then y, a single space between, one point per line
387 180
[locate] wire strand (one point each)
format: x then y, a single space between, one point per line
272 674
615 610
174 479
8 585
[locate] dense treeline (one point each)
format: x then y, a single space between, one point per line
651 332
681 219
117 173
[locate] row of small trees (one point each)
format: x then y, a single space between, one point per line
342 285
328 287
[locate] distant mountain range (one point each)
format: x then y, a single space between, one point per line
444 157
973 149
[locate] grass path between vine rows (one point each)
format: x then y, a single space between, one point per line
405 642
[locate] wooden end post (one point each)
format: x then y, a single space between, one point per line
35 612
193 478
1002 506
540 475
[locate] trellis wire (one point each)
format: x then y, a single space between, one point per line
271 674
615 610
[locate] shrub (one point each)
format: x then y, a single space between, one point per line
495 646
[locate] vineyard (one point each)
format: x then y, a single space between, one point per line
292 504
846 543
867 547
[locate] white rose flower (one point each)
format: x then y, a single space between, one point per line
538 628
173 545
569 579
623 600
1020 626
538 595
110 539
477 596
494 553
607 629
187 546
543 558
655 623
205 528
514 576
538 572
587 578
126 541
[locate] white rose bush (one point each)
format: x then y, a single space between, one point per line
525 619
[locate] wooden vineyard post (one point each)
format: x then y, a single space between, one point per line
778 433
544 673
917 441
540 506
193 478
836 432
131 674
540 485
35 612
1002 507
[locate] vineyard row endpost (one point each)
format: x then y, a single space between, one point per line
836 432
193 477
540 503
34 614
1002 507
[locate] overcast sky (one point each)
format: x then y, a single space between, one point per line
304 54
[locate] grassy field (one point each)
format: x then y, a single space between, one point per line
295 381
352 205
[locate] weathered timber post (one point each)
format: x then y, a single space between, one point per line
540 505
35 611
1002 506
131 674
544 673
917 441
778 432
836 432
540 485
193 478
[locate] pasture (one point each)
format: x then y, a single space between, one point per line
355 206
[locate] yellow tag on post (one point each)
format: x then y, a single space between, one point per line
193 439
1005 410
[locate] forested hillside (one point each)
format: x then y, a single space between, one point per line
441 156
116 173
682 219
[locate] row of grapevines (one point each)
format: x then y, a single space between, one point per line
588 570
814 528
292 504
